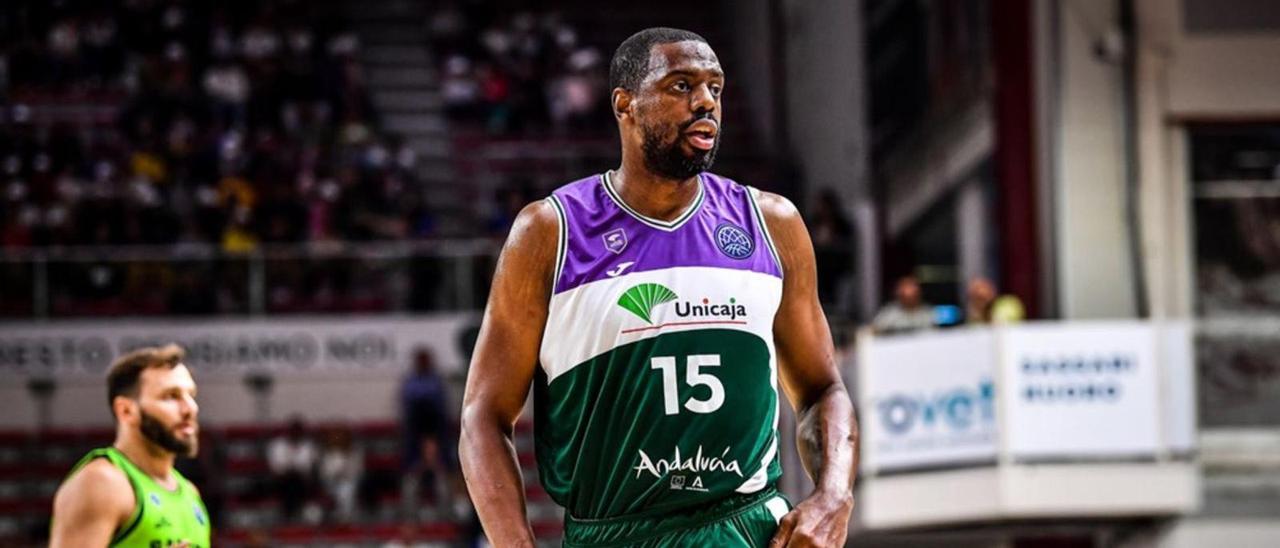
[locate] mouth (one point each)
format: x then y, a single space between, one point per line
188 430
702 134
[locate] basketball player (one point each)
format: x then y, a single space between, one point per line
129 494
653 309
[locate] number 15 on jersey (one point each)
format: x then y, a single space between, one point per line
693 377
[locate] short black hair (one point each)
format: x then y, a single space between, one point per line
630 63
122 378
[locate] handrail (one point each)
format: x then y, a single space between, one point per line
272 251
456 285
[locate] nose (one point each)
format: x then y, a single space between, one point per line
190 405
702 99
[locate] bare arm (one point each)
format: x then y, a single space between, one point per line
827 433
502 368
90 506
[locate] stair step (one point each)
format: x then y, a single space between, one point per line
393 34
388 11
416 124
430 147
438 177
407 100
397 55
434 164
402 77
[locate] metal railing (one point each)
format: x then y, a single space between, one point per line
202 279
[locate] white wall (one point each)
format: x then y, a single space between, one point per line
825 93
1224 76
750 75
1162 170
1094 273
826 106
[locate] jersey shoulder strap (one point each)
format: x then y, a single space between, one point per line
118 460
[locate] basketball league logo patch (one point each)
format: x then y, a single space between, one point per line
733 241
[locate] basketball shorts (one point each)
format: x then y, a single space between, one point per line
742 521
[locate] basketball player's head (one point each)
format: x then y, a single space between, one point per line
152 393
666 97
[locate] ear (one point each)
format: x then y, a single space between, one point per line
125 408
621 103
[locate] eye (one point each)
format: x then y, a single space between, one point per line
716 89
681 86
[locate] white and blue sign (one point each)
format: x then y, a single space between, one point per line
1083 390
1039 392
928 401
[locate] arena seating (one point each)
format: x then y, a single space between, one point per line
385 166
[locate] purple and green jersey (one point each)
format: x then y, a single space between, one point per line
657 389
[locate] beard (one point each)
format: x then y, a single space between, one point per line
155 432
669 161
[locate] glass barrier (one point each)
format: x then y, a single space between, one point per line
274 280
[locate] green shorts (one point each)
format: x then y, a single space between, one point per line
738 521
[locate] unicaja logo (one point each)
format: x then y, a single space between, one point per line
641 299
729 311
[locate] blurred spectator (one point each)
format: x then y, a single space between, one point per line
341 471
227 84
219 108
207 470
984 305
523 72
507 203
575 96
244 125
423 401
832 247
291 459
238 237
460 89
191 294
907 312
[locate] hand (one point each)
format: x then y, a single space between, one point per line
822 520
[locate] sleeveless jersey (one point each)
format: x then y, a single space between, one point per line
160 517
657 385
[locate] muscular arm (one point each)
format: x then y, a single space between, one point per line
827 433
502 368
90 506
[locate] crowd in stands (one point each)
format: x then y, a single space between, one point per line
237 124
908 311
233 127
518 73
